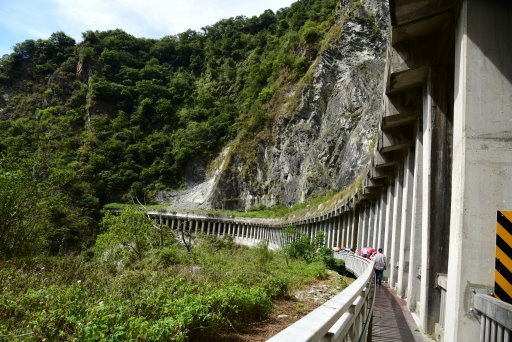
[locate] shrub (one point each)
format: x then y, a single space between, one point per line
128 236
168 295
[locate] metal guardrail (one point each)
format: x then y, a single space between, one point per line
345 317
495 318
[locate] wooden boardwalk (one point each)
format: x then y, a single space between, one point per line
391 320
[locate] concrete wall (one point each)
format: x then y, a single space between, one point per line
482 159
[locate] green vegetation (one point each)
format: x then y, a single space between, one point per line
300 246
152 291
312 206
138 206
117 117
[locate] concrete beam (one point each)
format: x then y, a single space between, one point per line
391 141
409 101
420 28
387 160
399 120
407 11
381 174
407 79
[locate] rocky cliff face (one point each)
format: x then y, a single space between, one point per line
323 142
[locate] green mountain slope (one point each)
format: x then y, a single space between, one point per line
116 117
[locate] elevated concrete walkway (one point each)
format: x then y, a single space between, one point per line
392 320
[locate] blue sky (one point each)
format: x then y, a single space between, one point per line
34 19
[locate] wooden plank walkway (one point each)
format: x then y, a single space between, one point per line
389 319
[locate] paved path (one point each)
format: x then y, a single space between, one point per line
391 319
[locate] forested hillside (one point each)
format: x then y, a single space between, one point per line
116 117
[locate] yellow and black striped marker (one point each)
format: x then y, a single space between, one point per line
503 272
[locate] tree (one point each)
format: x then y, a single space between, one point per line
23 215
128 236
299 245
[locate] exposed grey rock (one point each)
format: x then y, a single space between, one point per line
325 141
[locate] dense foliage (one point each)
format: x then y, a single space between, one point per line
166 294
116 117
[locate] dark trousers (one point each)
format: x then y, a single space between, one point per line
379 274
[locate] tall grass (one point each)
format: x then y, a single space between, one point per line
170 295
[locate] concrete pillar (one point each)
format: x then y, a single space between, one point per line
328 233
364 226
346 225
413 283
342 229
348 222
404 249
360 228
382 219
350 227
353 235
378 217
371 227
220 228
388 223
482 156
371 223
334 228
337 224
375 228
395 226
436 192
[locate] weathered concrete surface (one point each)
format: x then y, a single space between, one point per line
482 158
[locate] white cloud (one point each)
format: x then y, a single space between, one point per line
34 19
152 18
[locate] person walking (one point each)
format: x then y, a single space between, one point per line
380 265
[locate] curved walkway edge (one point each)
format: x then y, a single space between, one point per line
391 319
